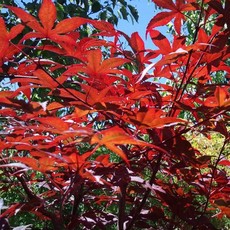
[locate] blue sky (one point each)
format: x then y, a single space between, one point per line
147 11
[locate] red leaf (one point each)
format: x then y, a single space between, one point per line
219 99
12 210
211 102
106 28
117 136
54 122
76 161
7 50
4 94
3 30
54 106
69 24
28 19
222 9
94 61
168 4
160 41
224 162
96 66
110 63
176 10
47 14
137 43
152 119
104 159
31 162
94 96
46 79
15 31
7 112
43 164
220 95
160 19
139 94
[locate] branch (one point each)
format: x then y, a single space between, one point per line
146 195
55 218
76 190
172 111
121 213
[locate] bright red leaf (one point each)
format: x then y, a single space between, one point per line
47 16
70 101
176 11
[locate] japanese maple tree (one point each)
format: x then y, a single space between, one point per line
97 136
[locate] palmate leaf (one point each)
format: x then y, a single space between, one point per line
8 35
106 28
138 47
117 136
140 55
77 161
112 137
6 48
98 69
47 14
47 29
175 11
97 66
160 41
153 118
57 33
99 98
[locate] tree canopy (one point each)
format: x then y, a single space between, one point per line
95 135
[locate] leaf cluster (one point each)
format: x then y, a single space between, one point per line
95 136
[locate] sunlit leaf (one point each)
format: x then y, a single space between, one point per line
220 96
47 14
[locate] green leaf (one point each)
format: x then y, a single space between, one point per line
96 7
103 15
110 10
123 2
61 2
134 12
60 11
114 3
124 13
113 19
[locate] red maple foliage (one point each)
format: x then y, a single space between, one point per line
92 141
